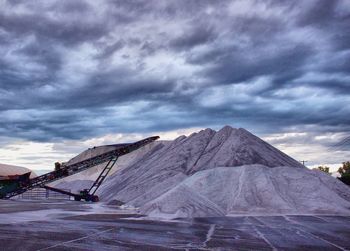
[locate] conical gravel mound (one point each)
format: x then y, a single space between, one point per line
168 163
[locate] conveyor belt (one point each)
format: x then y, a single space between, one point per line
68 170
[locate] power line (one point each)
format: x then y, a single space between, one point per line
342 145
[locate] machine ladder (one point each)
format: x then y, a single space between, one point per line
89 194
103 175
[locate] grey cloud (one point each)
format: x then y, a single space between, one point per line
327 16
47 30
343 144
77 6
43 54
234 65
108 50
143 66
195 36
318 13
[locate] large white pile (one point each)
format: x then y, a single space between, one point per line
85 179
252 189
6 170
213 173
166 165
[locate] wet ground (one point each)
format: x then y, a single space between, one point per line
29 225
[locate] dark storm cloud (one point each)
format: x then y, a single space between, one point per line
235 67
78 69
45 55
193 37
47 30
100 90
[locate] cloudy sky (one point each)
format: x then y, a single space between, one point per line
74 74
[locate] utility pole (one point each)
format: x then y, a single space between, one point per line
303 162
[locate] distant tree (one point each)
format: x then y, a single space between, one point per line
345 169
345 172
324 169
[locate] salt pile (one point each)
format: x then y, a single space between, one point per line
166 165
85 179
252 189
211 173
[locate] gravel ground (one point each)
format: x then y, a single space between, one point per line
69 225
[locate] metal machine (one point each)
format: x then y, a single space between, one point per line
13 186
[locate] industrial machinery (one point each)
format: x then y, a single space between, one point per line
18 184
13 182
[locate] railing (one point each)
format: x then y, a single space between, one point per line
44 194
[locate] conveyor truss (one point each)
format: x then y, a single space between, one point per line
23 183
